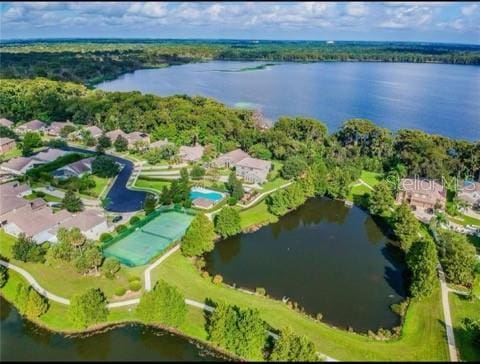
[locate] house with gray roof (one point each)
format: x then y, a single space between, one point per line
7 144
160 144
19 165
49 155
56 127
230 159
33 125
191 154
75 169
6 123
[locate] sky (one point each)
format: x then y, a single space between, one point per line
378 21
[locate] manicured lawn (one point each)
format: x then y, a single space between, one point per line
17 152
462 308
62 279
152 184
100 184
465 220
47 197
423 335
256 215
371 178
274 183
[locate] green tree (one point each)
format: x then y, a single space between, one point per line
104 142
164 304
165 196
198 238
120 144
21 297
36 305
422 263
405 226
110 267
293 167
290 347
72 237
227 222
261 151
26 250
71 202
380 200
105 166
3 275
197 172
88 308
149 203
66 130
30 141
88 260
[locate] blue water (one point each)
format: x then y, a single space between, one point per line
437 98
213 196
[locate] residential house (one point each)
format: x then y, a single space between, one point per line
56 127
92 223
422 194
18 166
7 144
113 134
469 192
137 138
11 197
6 123
160 144
75 169
49 155
95 131
230 159
253 170
33 125
250 169
191 154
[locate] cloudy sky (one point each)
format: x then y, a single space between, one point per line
419 21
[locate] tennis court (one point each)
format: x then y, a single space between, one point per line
147 241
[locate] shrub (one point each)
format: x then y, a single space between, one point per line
217 279
120 291
120 228
40 193
205 274
232 201
260 291
319 316
105 237
110 267
134 278
133 220
135 286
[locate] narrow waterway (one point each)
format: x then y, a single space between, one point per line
329 258
22 340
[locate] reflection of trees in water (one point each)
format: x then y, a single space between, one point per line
394 272
5 309
374 234
34 332
163 344
229 248
98 346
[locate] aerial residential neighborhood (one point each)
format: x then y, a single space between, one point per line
233 181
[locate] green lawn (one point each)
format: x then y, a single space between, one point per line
62 279
423 335
151 184
462 308
358 191
47 197
465 220
256 215
371 178
100 184
17 152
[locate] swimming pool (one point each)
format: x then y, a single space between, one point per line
198 192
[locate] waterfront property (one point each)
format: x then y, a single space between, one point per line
49 155
145 241
160 143
422 195
7 144
132 138
204 198
75 169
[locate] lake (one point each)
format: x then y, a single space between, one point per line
329 258
437 98
25 341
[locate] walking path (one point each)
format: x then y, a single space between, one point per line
260 196
452 349
129 302
362 182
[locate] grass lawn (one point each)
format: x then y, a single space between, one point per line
17 152
371 178
100 184
62 278
256 215
151 184
272 184
465 220
462 308
423 335
47 197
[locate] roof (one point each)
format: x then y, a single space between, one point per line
17 164
255 163
57 126
203 202
95 131
9 203
13 188
5 141
160 143
136 136
33 222
191 153
470 187
85 220
423 189
6 122
113 134
50 155
33 125
37 203
81 166
235 155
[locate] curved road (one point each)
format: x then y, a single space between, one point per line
122 198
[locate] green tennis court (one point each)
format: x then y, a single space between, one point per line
145 242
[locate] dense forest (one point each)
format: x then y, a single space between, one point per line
91 61
298 141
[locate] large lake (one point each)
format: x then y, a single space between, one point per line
437 98
329 258
23 341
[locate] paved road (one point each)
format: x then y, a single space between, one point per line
129 302
452 349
